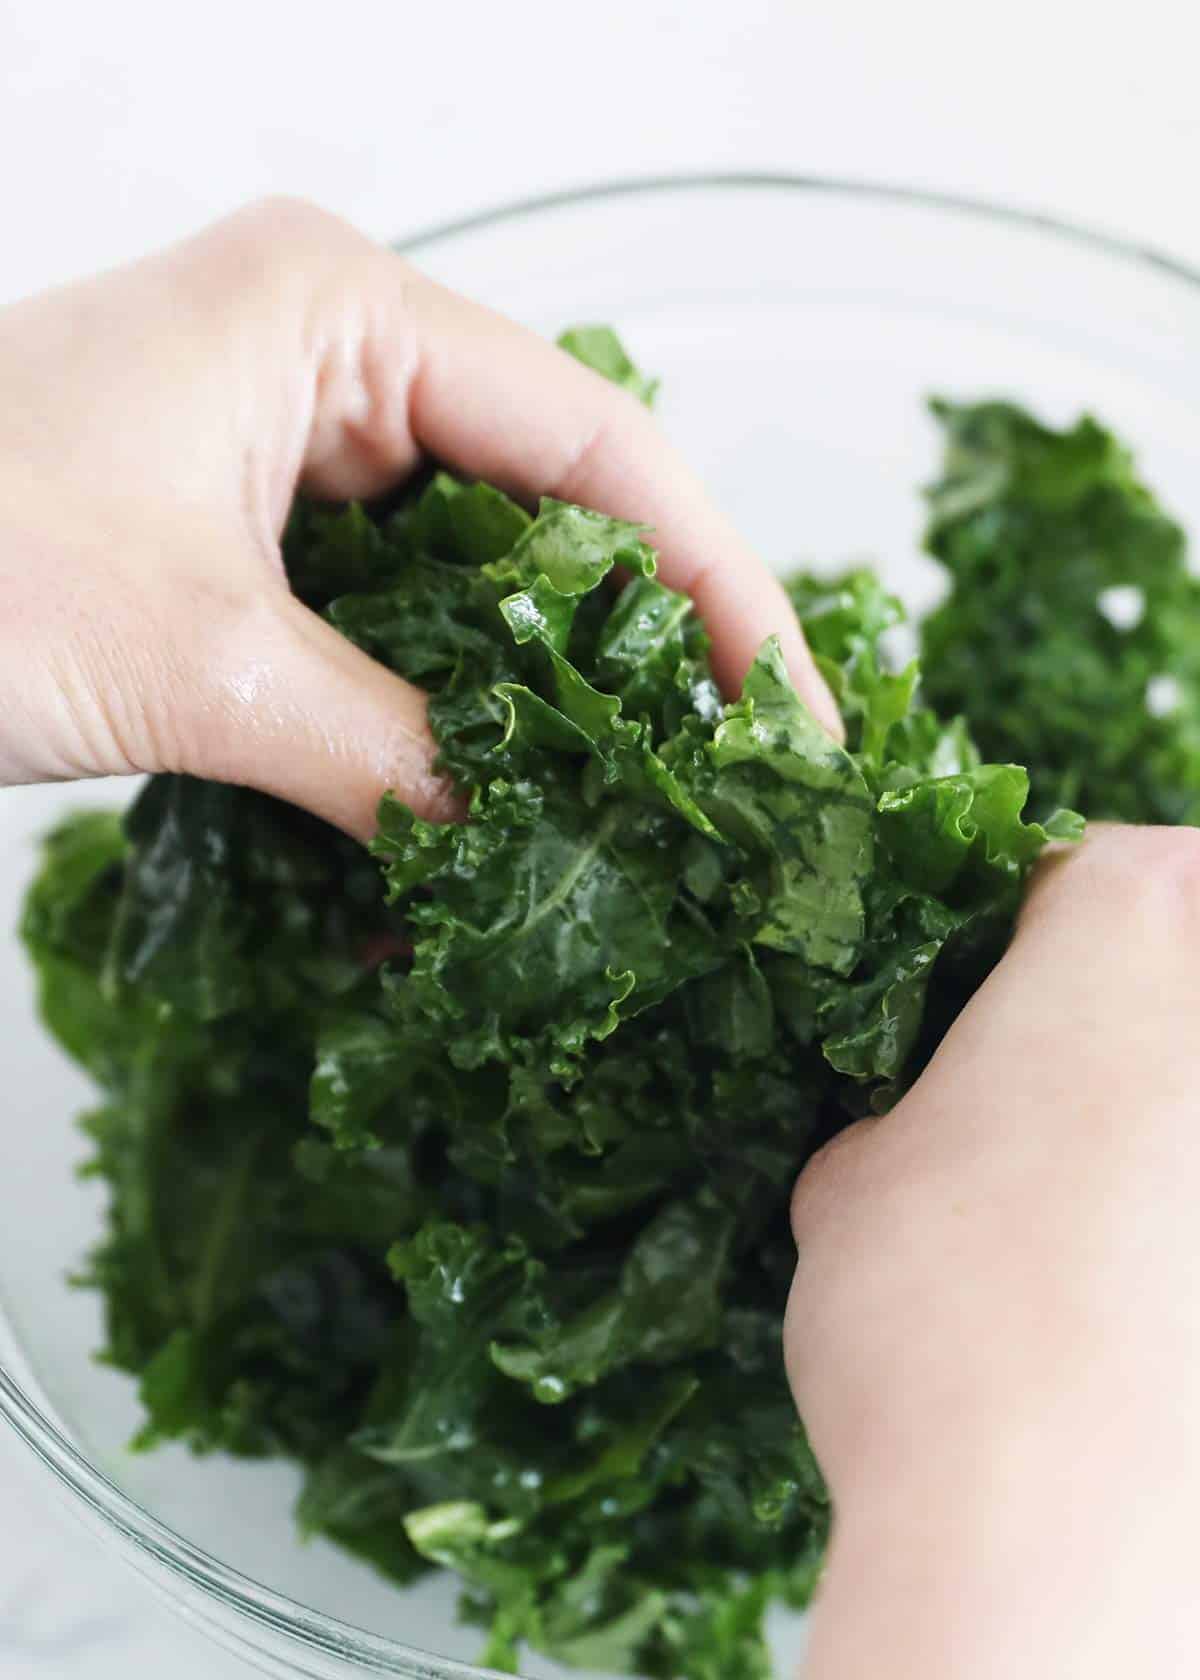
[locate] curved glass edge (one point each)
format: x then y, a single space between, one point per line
161 1547
157 1547
831 186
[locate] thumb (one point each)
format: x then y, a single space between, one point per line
303 714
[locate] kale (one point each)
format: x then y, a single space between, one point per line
1068 640
459 1173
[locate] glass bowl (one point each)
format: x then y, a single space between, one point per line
797 327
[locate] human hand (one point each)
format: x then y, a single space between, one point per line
154 426
994 1333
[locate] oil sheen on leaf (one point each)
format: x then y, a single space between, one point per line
458 1170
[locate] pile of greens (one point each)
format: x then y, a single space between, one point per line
1069 639
459 1173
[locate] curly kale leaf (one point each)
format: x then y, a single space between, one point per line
459 1172
1068 637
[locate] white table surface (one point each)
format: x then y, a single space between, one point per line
123 125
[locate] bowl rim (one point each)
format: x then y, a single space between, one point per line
998 212
157 1542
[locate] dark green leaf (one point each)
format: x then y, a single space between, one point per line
458 1169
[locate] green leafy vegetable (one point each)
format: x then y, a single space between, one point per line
460 1172
1068 640
601 349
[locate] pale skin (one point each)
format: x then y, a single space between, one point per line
155 423
994 1331
994 1334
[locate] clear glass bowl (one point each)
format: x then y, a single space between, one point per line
797 327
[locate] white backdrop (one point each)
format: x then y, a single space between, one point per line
123 125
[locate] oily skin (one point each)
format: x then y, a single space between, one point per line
994 1334
156 423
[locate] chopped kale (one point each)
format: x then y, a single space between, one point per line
460 1172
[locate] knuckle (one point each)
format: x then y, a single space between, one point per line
827 1184
280 218
1124 871
1170 876
281 244
1170 856
571 480
614 414
241 629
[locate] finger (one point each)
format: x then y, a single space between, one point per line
497 402
502 403
306 716
1106 953
1125 888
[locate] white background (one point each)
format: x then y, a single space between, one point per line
122 126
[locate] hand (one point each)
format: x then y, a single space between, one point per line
994 1334
154 424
